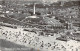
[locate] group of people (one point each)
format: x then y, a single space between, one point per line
32 39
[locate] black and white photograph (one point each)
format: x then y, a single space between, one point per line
39 25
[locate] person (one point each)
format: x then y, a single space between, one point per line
42 45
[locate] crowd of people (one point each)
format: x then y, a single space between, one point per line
33 40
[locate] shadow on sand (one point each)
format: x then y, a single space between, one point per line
10 45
